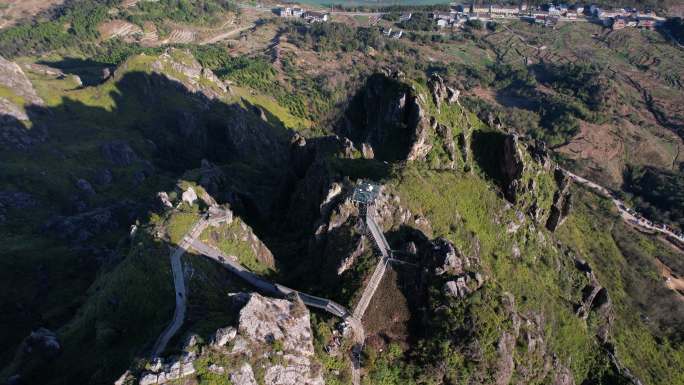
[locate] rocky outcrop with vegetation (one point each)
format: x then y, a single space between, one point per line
272 344
402 120
532 182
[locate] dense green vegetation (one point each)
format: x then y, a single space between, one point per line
76 23
658 194
305 97
580 94
646 336
183 11
583 81
74 27
328 37
420 21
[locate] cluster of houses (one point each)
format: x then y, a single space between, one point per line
310 16
548 15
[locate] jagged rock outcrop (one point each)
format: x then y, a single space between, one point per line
43 342
212 178
278 329
40 348
244 376
223 336
84 226
265 320
512 167
420 144
522 350
505 365
181 65
438 90
595 298
449 144
397 120
164 372
85 187
527 181
164 199
562 201
462 271
367 151
104 177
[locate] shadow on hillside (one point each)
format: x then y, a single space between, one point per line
90 71
127 145
383 114
487 147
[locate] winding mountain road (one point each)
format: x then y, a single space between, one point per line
622 209
227 34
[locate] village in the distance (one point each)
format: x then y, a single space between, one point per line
549 15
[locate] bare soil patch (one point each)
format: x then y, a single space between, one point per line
672 280
13 11
388 313
119 28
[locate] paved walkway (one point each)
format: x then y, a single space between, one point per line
232 264
179 287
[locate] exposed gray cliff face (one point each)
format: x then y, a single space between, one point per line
13 109
14 79
595 299
512 167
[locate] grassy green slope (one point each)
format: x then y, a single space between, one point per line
596 232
